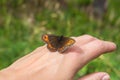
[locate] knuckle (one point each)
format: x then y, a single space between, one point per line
100 44
89 36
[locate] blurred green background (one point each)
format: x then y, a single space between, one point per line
22 22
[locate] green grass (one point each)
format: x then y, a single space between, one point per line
18 36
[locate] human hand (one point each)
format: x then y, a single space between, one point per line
42 64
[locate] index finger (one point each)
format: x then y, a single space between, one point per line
96 48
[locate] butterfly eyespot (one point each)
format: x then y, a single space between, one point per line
70 42
45 38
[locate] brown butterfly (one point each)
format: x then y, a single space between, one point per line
57 43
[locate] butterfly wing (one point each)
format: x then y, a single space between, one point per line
57 43
51 48
65 43
51 40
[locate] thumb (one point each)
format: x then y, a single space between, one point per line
96 76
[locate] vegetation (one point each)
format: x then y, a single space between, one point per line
23 22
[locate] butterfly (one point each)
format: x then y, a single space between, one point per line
57 43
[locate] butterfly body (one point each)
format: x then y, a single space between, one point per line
57 43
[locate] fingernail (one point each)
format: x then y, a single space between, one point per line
106 77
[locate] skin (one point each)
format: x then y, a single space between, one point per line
41 64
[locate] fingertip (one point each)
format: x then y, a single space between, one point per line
112 46
96 76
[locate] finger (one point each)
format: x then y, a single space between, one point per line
96 76
84 39
96 48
